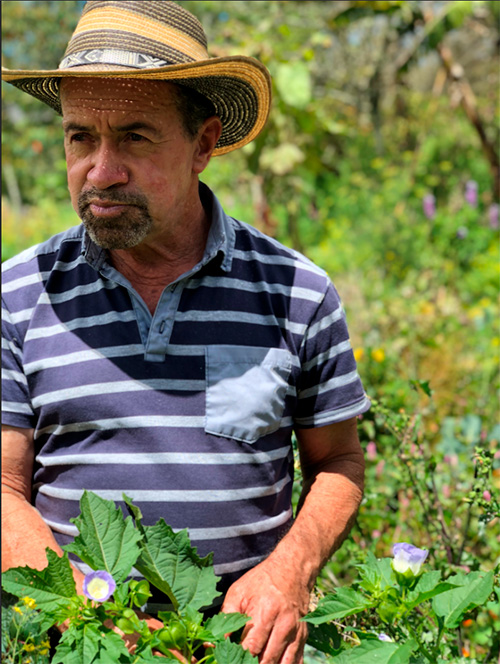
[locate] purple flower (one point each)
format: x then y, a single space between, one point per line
408 557
385 637
99 585
493 216
429 206
471 193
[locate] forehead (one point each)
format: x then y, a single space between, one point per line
116 96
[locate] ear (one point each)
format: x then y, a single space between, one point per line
208 136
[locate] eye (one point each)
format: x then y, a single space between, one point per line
136 138
78 137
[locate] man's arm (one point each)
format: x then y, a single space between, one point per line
276 592
25 535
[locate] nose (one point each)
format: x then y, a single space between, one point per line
107 168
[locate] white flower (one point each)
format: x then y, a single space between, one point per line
408 557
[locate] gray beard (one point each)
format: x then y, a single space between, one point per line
121 232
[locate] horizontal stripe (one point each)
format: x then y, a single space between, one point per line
10 374
78 291
134 422
84 356
17 317
184 496
324 324
183 458
15 407
258 287
118 387
21 282
332 384
200 534
329 354
238 317
118 19
332 416
275 259
78 323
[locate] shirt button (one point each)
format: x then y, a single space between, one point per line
162 326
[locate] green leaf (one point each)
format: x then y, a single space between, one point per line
90 645
324 638
170 563
373 651
376 574
225 623
344 602
293 82
227 652
51 588
429 585
453 604
106 541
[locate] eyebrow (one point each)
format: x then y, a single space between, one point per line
132 126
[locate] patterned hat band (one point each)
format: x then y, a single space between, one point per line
158 40
108 56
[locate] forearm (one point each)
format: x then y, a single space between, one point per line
25 536
327 509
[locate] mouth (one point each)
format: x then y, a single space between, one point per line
107 208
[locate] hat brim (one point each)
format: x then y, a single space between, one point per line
239 88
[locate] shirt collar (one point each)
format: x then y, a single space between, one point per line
220 241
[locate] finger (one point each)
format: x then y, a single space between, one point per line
283 635
256 634
294 652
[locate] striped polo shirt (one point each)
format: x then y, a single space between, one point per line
190 411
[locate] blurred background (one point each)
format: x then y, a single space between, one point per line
380 162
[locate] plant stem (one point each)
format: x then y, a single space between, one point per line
421 646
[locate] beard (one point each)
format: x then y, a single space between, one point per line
123 231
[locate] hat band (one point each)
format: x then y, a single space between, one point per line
109 56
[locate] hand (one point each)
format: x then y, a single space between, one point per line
275 601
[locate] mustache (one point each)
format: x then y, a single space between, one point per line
111 196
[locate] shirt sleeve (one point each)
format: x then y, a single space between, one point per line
16 402
330 389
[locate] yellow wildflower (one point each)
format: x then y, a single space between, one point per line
30 602
29 647
44 651
378 354
17 610
358 354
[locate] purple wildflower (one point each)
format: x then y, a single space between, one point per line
408 557
384 637
471 193
99 585
493 216
429 206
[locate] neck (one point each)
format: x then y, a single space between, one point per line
160 260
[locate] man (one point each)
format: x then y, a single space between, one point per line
166 350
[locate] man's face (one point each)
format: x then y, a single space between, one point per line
132 172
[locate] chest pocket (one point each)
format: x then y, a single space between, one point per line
245 390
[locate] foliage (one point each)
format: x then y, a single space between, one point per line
401 618
434 497
365 124
112 544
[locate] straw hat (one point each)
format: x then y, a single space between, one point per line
158 40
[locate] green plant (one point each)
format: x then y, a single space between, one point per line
403 614
111 545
